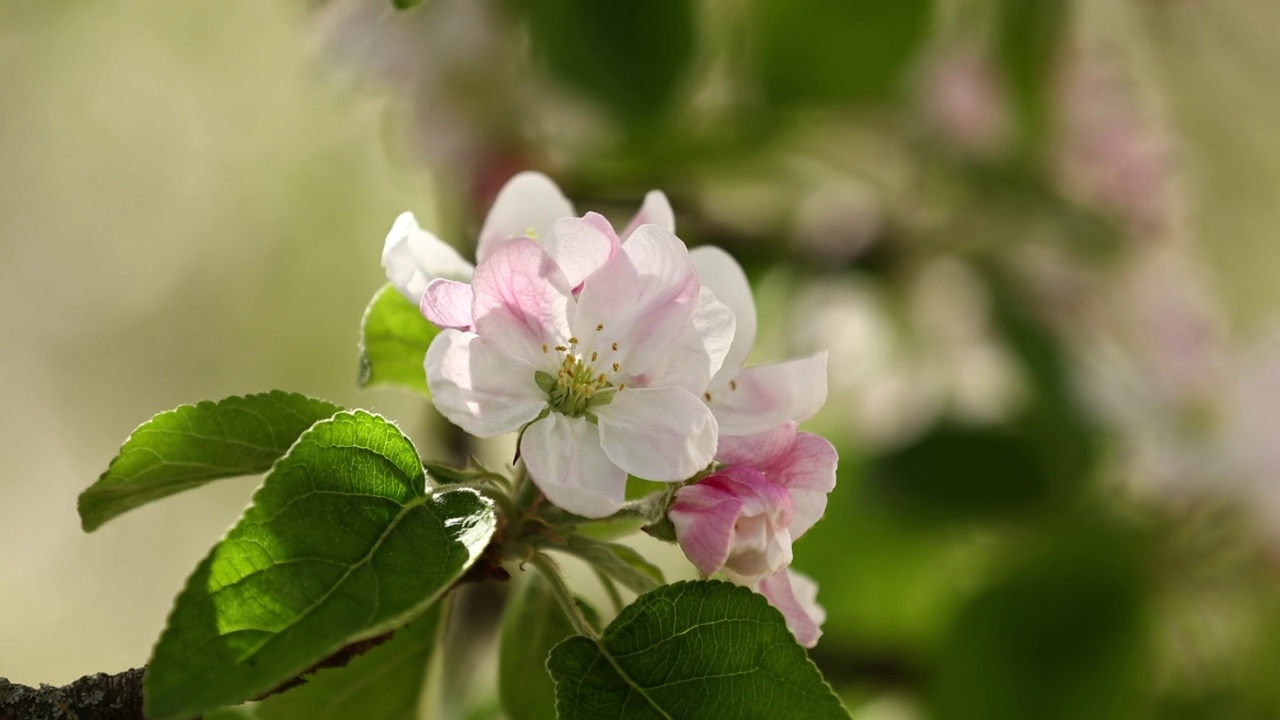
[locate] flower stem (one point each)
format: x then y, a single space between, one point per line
555 581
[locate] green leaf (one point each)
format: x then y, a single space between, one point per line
619 562
533 624
627 57
191 445
340 544
814 51
405 4
394 337
385 683
1028 43
691 650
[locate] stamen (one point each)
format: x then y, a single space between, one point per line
594 356
544 348
573 341
600 327
707 396
616 367
615 347
562 348
733 384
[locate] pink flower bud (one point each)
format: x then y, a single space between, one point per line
735 521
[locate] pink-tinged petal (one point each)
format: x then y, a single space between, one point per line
525 207
796 596
581 245
447 303
521 299
808 472
480 388
414 257
640 300
758 450
704 515
766 395
564 459
660 434
720 272
656 210
696 356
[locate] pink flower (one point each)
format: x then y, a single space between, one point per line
599 350
753 399
742 519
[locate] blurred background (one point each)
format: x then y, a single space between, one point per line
1036 236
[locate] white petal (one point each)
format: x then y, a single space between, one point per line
766 395
480 388
641 299
697 355
720 272
414 257
526 206
656 210
447 304
581 245
565 461
522 300
661 434
796 596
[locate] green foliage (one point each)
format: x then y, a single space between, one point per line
386 683
191 445
533 624
691 650
813 51
1028 44
627 57
394 337
1060 634
340 544
405 4
620 562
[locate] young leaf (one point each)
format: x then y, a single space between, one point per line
394 337
532 625
619 562
692 649
340 544
193 444
385 683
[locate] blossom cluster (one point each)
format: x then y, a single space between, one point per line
617 354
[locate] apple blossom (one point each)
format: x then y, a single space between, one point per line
742 519
599 350
795 595
749 400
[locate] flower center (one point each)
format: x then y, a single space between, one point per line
577 386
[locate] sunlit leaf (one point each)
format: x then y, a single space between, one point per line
691 650
531 626
394 337
340 544
191 445
620 562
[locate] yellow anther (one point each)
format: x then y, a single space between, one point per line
706 396
733 384
573 341
600 327
562 348
544 348
616 367
594 356
615 347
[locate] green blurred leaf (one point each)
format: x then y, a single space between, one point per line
405 4
627 57
1028 43
394 337
1059 635
191 445
962 472
813 51
620 562
340 544
691 650
532 625
386 683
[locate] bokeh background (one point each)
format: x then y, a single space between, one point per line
1038 238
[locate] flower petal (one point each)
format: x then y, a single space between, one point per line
447 303
696 356
808 472
565 461
480 388
581 245
525 207
720 272
766 395
414 257
759 449
661 434
796 596
704 515
656 210
641 300
521 299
